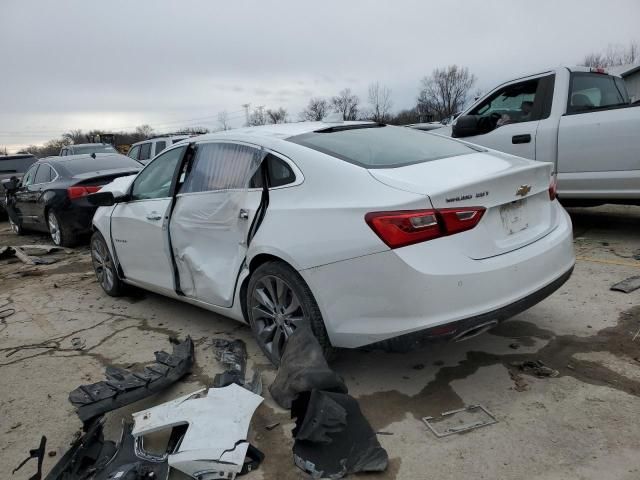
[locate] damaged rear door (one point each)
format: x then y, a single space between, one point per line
210 223
139 225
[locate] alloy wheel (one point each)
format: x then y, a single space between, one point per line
54 228
276 312
102 264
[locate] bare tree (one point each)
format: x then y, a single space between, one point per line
277 116
223 120
75 136
144 131
614 55
346 103
445 92
316 110
257 117
380 101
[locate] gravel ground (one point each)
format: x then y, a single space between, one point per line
581 424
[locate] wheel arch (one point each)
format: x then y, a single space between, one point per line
253 264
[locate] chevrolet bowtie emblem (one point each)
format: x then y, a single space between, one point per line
523 190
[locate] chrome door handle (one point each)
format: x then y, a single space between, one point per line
154 216
244 214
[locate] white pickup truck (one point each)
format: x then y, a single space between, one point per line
578 118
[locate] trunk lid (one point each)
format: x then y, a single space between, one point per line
514 191
102 177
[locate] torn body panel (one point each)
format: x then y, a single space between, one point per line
333 438
123 387
303 368
214 445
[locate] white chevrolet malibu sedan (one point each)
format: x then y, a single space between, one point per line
370 234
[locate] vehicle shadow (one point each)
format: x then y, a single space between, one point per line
621 221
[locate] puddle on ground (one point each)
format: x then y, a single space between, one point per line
386 407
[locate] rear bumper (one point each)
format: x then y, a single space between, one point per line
451 331
77 215
378 297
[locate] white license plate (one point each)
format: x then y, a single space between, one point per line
513 216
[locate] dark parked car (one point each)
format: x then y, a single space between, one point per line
13 166
52 194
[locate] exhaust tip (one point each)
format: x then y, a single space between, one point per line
474 331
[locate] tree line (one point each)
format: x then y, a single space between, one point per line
443 93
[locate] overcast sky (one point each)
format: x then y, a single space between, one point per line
171 64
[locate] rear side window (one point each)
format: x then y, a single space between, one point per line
279 173
16 165
222 166
145 151
592 91
43 175
381 146
160 146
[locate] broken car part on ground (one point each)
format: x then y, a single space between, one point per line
332 436
123 387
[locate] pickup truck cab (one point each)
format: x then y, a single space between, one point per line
578 118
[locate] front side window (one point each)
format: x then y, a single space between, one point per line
512 104
145 151
43 175
591 91
222 166
155 180
134 152
29 176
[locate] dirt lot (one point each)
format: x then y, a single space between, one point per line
581 424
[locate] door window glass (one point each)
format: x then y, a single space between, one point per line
29 176
133 153
145 151
155 180
160 146
595 91
43 175
512 104
222 166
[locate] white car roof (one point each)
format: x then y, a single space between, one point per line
278 130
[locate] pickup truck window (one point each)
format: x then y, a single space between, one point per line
595 91
512 104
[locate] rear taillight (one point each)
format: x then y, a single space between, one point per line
553 187
402 228
79 192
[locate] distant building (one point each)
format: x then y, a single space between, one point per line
631 75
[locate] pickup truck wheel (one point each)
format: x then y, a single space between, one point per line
105 267
60 233
279 301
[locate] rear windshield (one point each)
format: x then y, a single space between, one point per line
381 146
16 165
79 149
78 166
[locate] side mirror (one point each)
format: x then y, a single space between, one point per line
102 199
466 126
10 184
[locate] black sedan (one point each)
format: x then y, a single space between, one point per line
51 197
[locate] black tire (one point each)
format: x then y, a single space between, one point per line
104 267
260 316
61 234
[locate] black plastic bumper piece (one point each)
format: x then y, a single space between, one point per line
416 340
123 387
